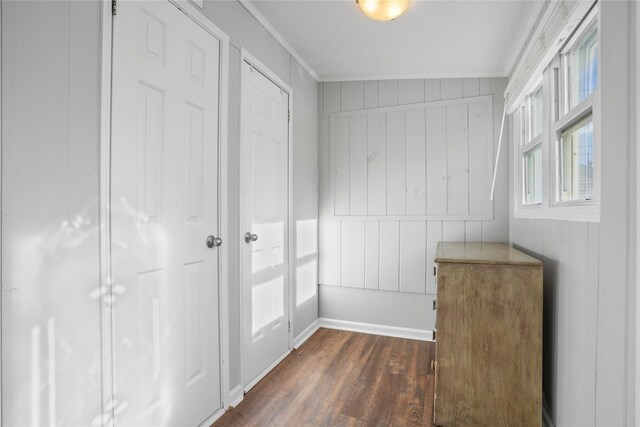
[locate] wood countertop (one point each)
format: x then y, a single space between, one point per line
482 253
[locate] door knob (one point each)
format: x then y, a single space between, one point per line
248 237
213 241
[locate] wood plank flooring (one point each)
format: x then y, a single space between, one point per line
340 378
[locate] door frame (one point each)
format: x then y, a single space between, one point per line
245 56
105 211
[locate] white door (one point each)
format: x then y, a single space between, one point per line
264 171
166 357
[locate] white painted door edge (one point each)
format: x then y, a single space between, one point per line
370 328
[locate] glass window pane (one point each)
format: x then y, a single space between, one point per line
533 176
537 108
583 67
576 161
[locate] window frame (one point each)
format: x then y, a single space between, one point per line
527 143
557 117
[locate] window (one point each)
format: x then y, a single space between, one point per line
532 125
576 161
582 67
575 153
557 132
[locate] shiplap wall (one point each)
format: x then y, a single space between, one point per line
570 252
384 161
365 241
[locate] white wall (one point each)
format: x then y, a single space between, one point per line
245 32
50 219
383 298
589 276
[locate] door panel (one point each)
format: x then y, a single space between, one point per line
264 173
164 205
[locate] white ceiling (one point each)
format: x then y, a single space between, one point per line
434 38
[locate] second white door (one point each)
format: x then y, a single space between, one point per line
264 181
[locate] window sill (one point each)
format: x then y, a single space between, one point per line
579 212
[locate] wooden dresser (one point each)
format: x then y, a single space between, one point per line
488 364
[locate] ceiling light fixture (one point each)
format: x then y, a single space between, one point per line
383 10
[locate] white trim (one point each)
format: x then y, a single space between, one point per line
418 106
358 78
236 396
370 328
557 23
271 29
1 221
106 313
306 334
223 179
213 418
521 45
637 168
245 56
264 373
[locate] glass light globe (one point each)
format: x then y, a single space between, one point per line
383 10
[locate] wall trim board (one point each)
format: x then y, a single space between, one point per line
279 37
213 418
306 334
370 328
236 396
418 106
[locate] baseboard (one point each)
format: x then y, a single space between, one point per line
304 335
264 373
370 328
236 396
213 418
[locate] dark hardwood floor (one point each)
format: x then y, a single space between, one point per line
340 378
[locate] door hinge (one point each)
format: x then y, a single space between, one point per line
114 7
435 304
289 116
289 325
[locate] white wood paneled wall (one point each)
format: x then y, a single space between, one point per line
426 161
403 178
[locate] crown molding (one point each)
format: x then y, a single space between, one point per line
333 79
525 37
272 30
